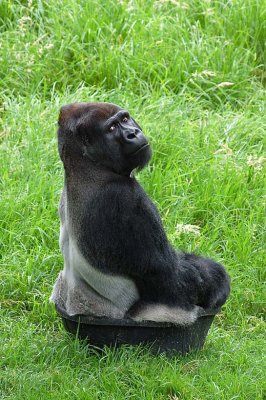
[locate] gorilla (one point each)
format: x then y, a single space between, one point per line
118 262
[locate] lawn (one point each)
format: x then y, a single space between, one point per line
193 74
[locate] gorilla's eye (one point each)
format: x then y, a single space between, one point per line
125 119
112 127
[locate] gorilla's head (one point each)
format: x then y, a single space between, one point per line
104 134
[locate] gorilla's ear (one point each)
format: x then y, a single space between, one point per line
68 141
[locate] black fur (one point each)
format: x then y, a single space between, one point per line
118 228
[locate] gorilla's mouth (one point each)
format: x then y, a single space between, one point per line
141 148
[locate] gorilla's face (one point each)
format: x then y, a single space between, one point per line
105 134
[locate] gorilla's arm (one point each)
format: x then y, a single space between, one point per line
122 233
121 230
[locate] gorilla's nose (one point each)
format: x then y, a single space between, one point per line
133 140
131 134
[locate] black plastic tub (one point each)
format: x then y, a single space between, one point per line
161 337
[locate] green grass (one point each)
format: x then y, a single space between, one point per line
166 62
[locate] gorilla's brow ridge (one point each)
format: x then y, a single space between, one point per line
114 118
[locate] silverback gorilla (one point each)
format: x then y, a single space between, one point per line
118 262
